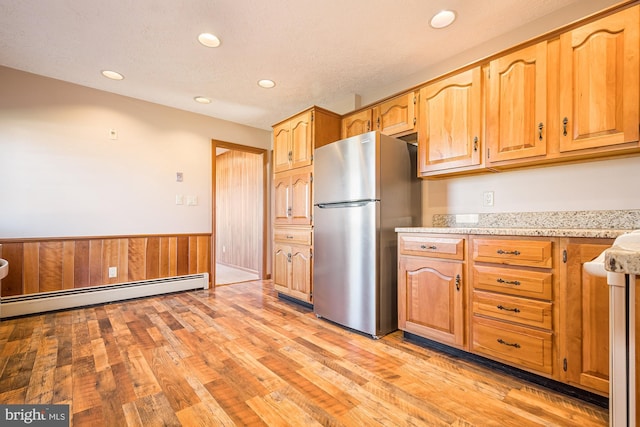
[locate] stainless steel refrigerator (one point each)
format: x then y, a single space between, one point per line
364 187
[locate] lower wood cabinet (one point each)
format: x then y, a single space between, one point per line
522 301
431 288
584 343
292 262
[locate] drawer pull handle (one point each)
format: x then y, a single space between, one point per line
501 252
503 342
428 247
289 237
501 307
508 282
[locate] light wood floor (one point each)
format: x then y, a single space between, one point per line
226 275
240 356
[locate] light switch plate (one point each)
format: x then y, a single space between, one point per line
113 272
179 199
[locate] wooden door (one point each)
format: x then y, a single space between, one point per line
356 123
450 123
301 208
517 108
282 198
301 140
431 300
396 116
281 147
599 81
584 304
281 267
301 272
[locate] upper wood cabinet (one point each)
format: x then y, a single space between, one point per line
599 83
450 125
356 123
517 105
293 197
295 138
397 116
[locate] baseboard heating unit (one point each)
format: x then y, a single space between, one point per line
60 300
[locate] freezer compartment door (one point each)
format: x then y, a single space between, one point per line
347 169
345 272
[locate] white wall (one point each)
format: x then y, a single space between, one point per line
61 175
599 185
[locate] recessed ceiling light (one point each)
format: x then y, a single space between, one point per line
443 19
266 83
209 40
202 100
112 75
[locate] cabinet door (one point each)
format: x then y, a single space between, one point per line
281 198
281 147
396 116
585 315
301 272
301 140
599 83
281 269
356 123
301 201
517 108
431 299
450 123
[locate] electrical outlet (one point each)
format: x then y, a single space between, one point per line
179 176
487 199
113 272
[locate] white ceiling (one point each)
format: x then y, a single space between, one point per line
319 52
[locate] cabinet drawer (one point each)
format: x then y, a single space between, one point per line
531 284
434 247
292 235
528 253
525 311
523 347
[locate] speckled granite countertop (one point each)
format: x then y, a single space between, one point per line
542 232
619 260
606 224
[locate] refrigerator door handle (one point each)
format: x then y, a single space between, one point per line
349 204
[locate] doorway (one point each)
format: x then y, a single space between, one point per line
239 213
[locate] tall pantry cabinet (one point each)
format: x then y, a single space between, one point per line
294 140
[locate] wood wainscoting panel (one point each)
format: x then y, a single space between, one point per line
52 264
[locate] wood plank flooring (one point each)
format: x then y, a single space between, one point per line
240 356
